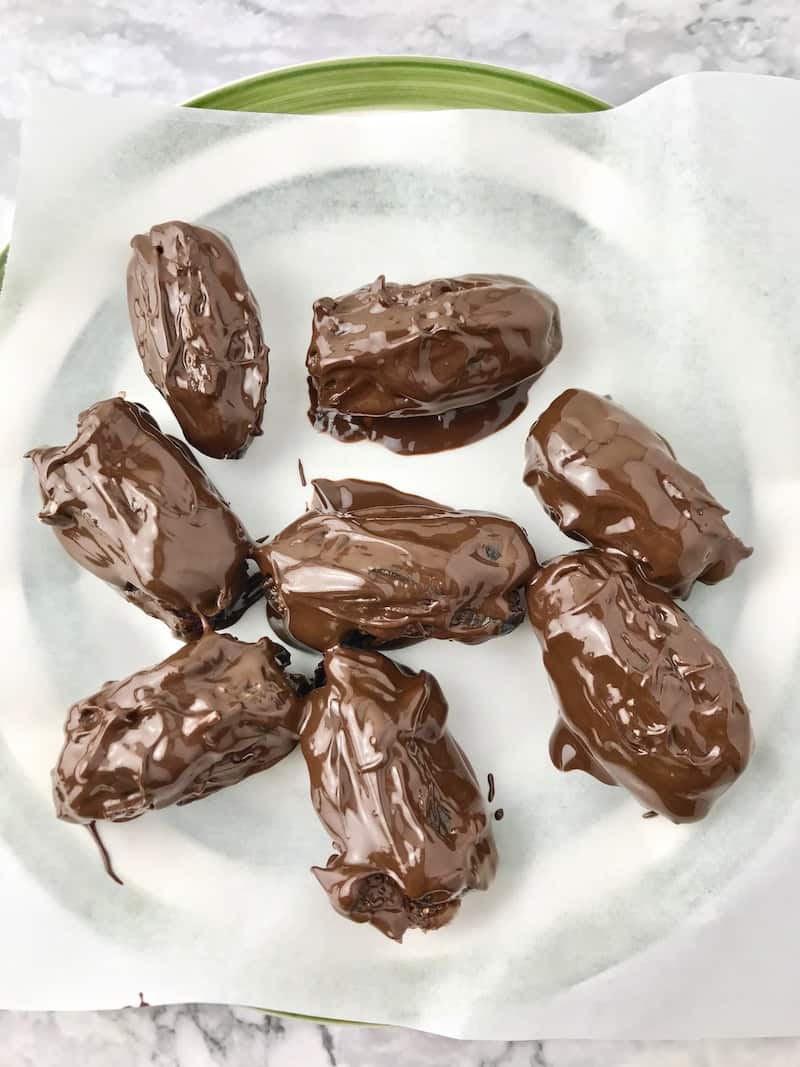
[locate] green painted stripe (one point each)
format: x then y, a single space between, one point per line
413 82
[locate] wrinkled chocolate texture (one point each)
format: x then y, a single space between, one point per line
607 479
647 701
198 332
135 508
215 712
421 368
396 794
370 565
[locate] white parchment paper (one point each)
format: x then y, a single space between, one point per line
668 232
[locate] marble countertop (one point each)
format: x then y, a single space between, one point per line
613 49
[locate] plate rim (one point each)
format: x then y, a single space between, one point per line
405 66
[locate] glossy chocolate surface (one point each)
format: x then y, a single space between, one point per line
370 565
396 794
197 328
213 713
135 508
607 479
647 701
421 368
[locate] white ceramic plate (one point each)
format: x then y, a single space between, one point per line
584 883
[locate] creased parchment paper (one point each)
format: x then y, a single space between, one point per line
668 231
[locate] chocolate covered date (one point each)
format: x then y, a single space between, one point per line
370 565
430 366
134 507
395 793
215 712
647 701
198 332
606 478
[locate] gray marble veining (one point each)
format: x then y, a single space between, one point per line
171 51
209 1036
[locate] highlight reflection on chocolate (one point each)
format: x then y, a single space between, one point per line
607 479
647 701
135 508
370 565
215 712
421 368
396 794
197 328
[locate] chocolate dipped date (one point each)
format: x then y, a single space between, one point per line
646 700
607 479
210 715
425 367
395 793
198 332
134 507
370 565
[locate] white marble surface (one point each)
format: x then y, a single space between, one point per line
205 1036
170 51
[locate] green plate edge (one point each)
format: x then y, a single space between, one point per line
414 82
385 82
381 82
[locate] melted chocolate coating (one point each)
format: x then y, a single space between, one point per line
213 713
647 701
370 565
421 368
198 332
134 507
609 480
396 794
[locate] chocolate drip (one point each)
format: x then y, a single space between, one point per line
104 854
